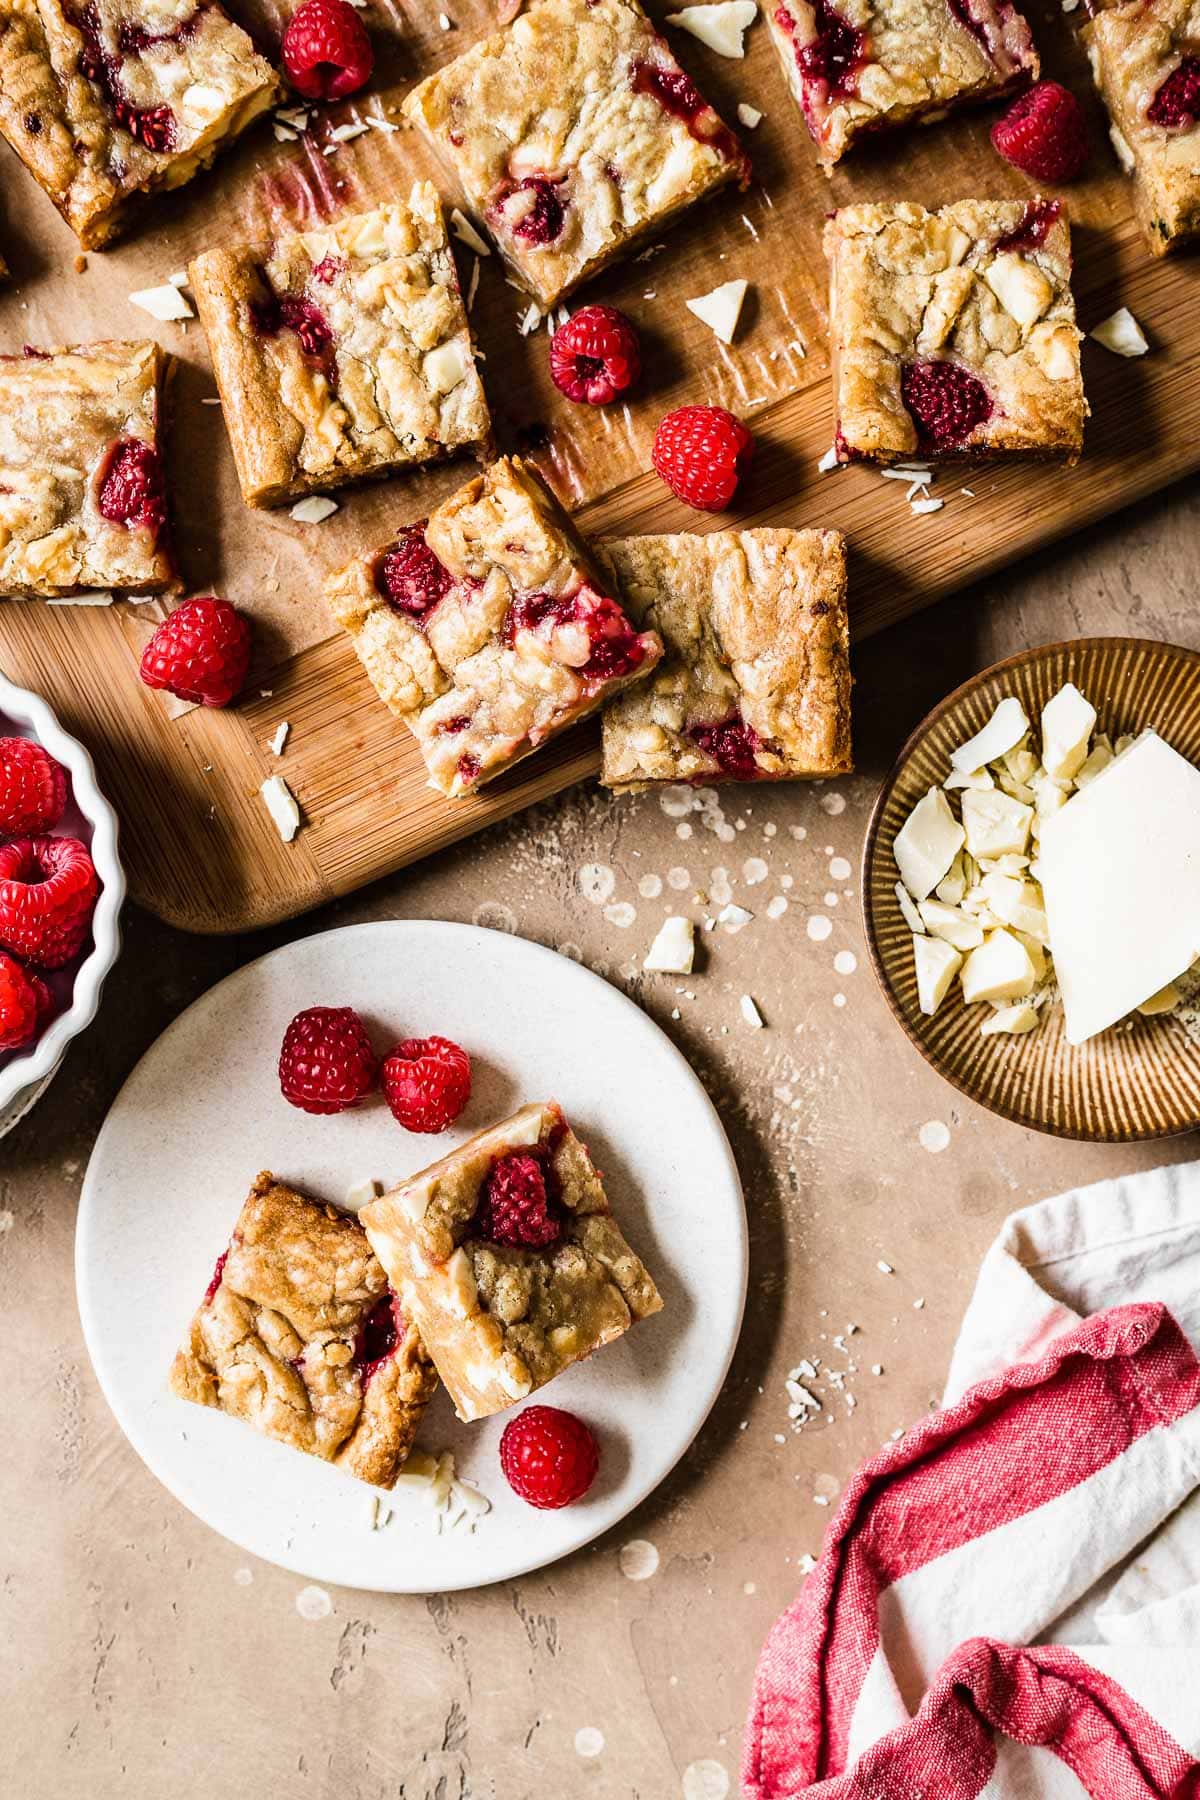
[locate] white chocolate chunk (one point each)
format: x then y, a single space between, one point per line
445 366
927 843
1017 903
1020 287
1068 721
953 884
281 804
1001 969
722 24
165 303
1121 334
720 309
751 1013
1002 733
313 509
749 116
908 907
458 1291
937 963
956 780
995 823
942 921
674 949
463 229
1013 1020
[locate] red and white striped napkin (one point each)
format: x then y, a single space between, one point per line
1008 1600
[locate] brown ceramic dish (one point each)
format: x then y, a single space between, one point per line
1142 1078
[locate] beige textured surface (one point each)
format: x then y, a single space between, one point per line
144 1655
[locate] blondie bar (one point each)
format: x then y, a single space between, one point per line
82 499
509 1260
754 684
300 1335
486 627
1146 61
953 332
342 353
572 134
867 65
109 100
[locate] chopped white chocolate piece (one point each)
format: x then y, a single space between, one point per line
1001 969
908 907
165 303
1017 903
674 949
751 1013
280 738
749 116
722 24
1120 872
1068 721
463 229
937 963
947 922
953 884
959 779
995 823
927 843
1121 334
1013 1020
1098 759
361 1193
313 509
1002 733
281 804
1165 1001
720 309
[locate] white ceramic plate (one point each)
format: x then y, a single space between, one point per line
202 1113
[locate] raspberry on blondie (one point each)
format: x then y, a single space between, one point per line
343 352
106 100
953 332
572 134
82 499
487 628
1146 60
754 684
860 66
300 1335
509 1260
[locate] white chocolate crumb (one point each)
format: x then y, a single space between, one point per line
313 509
164 303
751 1013
280 738
280 802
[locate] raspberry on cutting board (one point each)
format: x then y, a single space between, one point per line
595 356
702 452
200 652
1044 134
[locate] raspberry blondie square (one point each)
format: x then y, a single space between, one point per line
1146 61
82 500
509 1260
487 628
953 332
754 684
342 353
867 65
300 1335
110 100
571 135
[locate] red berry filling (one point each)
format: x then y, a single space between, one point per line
379 1336
132 492
410 577
549 1457
467 768
151 126
1044 134
326 50
732 745
426 1082
608 644
294 312
678 94
326 1063
594 356
514 1207
947 403
1031 232
537 220
834 57
328 269
1177 101
217 1273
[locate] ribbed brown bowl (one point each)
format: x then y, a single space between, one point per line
1139 1080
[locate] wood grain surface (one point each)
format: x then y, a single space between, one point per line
199 847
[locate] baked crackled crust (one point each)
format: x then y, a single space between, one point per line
863 65
293 1337
522 640
343 352
754 683
501 1321
1140 54
112 99
65 416
982 284
572 134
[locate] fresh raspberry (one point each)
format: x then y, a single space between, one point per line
326 1064
48 888
946 401
132 491
1044 134
731 744
594 356
33 788
201 652
537 220
411 578
514 1207
47 1004
326 50
19 1013
426 1082
549 1457
701 452
1177 101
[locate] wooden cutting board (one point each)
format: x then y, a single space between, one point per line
199 847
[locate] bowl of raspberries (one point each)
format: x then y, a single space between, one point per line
61 889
